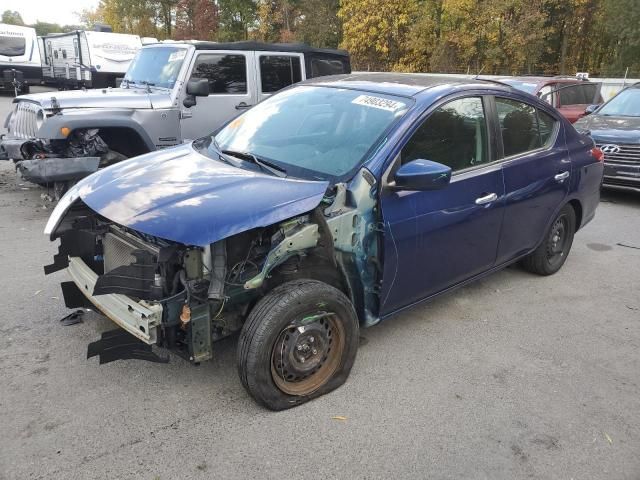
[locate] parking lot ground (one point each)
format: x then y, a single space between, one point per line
515 376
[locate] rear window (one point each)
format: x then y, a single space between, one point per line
11 46
277 72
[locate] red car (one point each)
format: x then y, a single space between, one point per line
570 95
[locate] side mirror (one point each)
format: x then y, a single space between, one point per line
198 87
422 175
195 88
590 109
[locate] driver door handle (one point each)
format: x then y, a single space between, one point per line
491 197
561 177
242 106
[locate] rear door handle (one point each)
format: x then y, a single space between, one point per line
561 177
242 106
491 197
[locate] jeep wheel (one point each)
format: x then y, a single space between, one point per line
299 342
549 257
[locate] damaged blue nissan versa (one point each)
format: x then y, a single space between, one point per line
327 207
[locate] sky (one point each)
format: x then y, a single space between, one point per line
61 11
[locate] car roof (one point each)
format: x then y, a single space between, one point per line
405 84
542 80
264 47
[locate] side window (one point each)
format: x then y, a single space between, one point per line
570 95
326 66
279 71
454 135
75 48
64 53
523 127
226 73
546 125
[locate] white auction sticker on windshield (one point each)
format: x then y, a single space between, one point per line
377 102
178 55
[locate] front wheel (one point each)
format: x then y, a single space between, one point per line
299 342
549 257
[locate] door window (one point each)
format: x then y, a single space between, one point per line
226 73
521 129
76 51
584 94
454 135
279 71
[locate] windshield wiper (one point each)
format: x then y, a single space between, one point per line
266 165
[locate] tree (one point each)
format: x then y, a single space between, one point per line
375 32
196 19
319 24
236 19
12 17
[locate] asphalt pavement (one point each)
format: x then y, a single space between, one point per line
515 376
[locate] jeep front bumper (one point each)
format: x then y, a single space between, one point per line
50 170
140 318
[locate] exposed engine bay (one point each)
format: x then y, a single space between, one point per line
184 297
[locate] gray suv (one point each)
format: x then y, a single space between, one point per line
172 93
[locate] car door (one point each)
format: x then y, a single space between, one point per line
277 70
436 239
231 89
536 170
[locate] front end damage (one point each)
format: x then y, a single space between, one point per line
184 298
56 161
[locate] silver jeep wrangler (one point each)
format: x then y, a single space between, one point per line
172 93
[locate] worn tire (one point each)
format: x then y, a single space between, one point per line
265 325
539 261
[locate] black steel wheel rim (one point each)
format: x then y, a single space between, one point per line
557 240
307 352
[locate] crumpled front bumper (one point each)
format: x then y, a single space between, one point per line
141 319
50 170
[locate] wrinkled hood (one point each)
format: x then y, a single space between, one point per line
134 98
181 195
605 128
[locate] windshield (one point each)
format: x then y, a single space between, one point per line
625 104
156 66
524 86
312 132
12 46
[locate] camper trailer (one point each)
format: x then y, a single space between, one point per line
92 59
19 58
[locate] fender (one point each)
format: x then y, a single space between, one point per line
87 118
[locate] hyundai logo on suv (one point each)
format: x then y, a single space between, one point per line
610 149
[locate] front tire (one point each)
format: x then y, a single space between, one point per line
299 342
550 256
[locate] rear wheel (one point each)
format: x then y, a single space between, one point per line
299 342
549 257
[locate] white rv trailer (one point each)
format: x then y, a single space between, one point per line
86 58
19 51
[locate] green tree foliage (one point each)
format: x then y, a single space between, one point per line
12 17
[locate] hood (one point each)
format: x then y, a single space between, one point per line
181 195
132 98
605 128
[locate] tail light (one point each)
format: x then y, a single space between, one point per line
597 154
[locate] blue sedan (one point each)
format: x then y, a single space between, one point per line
326 208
